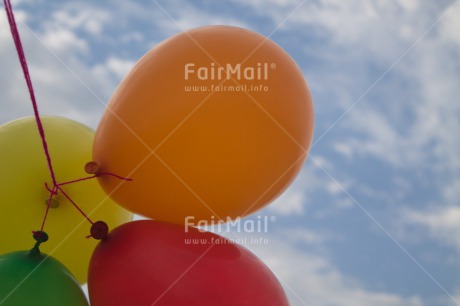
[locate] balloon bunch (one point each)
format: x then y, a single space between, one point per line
32 278
199 142
212 124
25 198
52 193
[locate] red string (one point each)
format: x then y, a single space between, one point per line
25 69
56 187
94 176
77 180
115 175
76 206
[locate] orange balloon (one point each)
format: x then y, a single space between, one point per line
213 123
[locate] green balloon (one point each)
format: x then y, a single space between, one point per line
35 279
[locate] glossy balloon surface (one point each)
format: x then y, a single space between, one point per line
37 280
23 195
214 122
156 263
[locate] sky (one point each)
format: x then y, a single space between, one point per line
374 216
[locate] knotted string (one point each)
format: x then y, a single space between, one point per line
56 187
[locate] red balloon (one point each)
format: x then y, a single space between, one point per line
156 263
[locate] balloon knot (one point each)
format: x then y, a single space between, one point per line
40 237
92 167
99 230
53 191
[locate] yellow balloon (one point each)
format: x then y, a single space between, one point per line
23 195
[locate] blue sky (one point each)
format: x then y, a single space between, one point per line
374 216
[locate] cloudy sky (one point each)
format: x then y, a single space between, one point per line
374 216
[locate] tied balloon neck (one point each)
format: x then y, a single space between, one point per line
99 230
93 167
40 237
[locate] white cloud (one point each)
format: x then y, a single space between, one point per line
11 71
409 5
59 75
310 279
277 10
113 67
317 176
449 25
408 126
290 202
295 199
131 37
62 40
190 16
373 133
344 149
426 141
300 260
378 27
118 66
74 17
442 223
